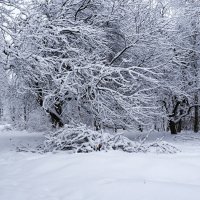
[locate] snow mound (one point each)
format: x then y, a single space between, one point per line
80 139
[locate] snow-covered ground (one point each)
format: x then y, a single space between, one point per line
97 176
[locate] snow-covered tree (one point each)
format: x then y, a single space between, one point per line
184 96
65 53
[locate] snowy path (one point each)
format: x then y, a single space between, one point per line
96 176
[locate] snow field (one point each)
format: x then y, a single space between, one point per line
96 176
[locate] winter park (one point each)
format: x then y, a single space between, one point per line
99 100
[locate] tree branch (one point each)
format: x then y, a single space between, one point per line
186 113
82 7
119 54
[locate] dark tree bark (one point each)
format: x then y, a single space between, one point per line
172 123
56 121
196 115
172 127
97 125
55 112
179 124
175 118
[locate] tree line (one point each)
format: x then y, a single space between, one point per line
105 63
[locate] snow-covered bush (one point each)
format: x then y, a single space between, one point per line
81 139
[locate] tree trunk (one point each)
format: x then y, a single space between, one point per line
196 115
56 121
179 124
54 116
97 125
172 127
